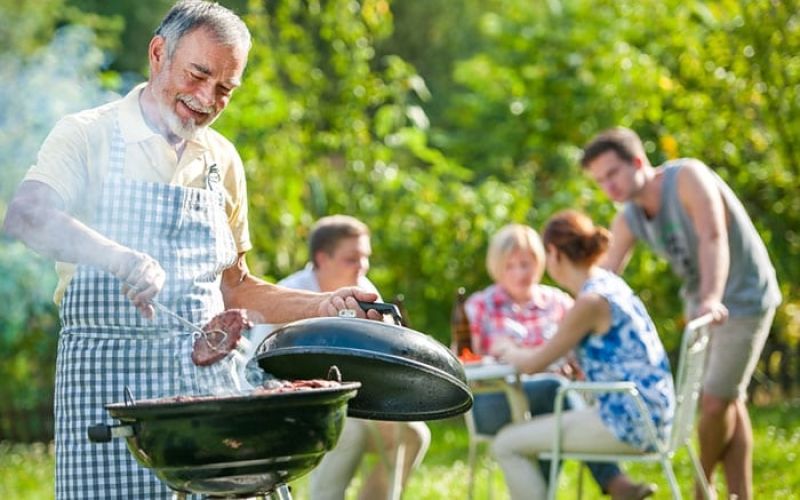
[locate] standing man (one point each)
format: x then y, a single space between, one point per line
339 248
136 200
687 214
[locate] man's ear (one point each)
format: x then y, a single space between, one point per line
637 162
157 54
319 258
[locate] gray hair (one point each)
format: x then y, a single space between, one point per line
188 15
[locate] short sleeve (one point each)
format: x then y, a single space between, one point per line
62 162
235 183
237 218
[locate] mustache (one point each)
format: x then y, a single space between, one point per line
196 105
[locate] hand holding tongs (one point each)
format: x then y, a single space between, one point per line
197 332
242 345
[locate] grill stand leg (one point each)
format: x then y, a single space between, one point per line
282 492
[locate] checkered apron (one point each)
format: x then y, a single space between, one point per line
105 345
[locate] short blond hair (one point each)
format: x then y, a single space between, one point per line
509 239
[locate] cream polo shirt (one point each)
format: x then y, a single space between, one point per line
74 159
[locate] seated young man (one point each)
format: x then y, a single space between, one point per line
339 248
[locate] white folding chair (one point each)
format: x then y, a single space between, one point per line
475 440
688 378
393 465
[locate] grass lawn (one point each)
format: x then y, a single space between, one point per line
26 471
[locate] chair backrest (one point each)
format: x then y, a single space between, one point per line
689 379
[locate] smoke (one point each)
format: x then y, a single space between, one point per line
61 78
35 91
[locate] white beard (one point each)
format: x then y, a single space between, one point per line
187 129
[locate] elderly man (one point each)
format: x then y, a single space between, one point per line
687 214
139 199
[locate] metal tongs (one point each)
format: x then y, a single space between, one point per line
197 332
243 345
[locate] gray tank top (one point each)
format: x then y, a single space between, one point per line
751 287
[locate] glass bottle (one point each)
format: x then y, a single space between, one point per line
460 336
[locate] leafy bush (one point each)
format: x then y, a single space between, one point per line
28 337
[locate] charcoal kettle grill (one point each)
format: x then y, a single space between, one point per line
254 445
233 446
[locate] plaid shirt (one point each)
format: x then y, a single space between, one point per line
492 313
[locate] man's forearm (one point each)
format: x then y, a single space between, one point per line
242 290
714 262
55 234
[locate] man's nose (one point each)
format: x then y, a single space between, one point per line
205 94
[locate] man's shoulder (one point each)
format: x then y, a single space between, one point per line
683 167
100 114
303 279
219 143
367 284
87 124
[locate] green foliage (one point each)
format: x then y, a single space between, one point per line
27 471
65 76
40 83
324 127
717 80
28 329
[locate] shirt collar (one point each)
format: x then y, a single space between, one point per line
538 300
135 129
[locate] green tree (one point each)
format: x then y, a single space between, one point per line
716 80
324 126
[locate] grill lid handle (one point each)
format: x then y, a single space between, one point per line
383 308
103 433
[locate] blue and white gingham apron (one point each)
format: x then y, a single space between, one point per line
105 343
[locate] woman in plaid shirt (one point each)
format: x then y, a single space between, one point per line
519 307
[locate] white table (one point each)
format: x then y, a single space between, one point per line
491 376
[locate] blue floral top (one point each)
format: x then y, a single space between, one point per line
629 351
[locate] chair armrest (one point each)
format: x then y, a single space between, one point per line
700 322
599 387
594 387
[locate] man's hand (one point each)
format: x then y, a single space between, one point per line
717 310
36 216
347 298
141 275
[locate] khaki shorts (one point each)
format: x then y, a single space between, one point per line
734 352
